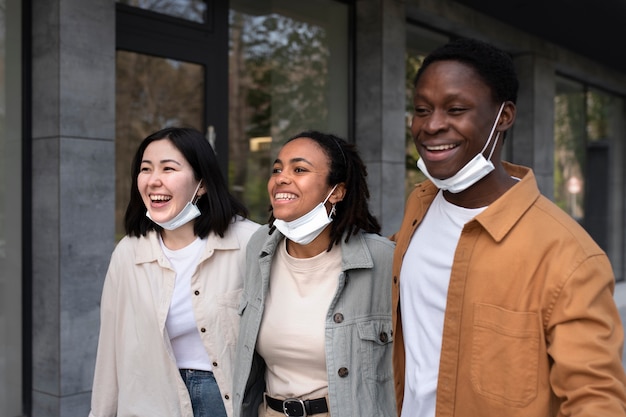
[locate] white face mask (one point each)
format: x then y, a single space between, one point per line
305 229
187 214
476 169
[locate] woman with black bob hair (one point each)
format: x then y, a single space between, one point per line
315 323
216 210
169 319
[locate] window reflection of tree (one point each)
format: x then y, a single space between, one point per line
599 106
569 154
193 10
279 86
151 93
581 117
413 61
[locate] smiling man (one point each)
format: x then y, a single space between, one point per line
502 304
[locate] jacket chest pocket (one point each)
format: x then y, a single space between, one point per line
225 319
505 354
376 341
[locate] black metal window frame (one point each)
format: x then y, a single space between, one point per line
156 34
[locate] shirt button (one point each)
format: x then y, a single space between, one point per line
343 372
196 292
338 317
214 363
227 397
203 330
383 337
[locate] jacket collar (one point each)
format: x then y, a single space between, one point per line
501 215
149 249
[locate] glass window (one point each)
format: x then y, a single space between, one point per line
288 70
600 108
569 149
10 209
588 177
151 93
194 10
419 43
599 141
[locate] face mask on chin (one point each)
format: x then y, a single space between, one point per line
187 214
305 229
476 169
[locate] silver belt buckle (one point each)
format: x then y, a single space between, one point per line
294 407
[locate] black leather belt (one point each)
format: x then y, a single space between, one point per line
295 407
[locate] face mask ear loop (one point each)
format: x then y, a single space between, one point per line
495 124
329 194
332 211
493 148
195 198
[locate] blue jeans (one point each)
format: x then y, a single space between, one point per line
206 399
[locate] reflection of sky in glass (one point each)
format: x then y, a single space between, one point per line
262 35
193 10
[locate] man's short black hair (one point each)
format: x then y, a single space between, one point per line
494 65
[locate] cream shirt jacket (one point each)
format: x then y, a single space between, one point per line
136 372
531 328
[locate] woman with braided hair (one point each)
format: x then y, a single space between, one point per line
315 335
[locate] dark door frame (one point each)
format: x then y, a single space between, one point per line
206 44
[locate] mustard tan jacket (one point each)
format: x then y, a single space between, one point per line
531 328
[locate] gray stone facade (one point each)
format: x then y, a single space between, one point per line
73 128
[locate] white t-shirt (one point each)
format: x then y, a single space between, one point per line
181 322
424 280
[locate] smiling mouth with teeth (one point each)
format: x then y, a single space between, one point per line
284 196
160 198
440 147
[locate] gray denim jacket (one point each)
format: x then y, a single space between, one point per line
358 329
